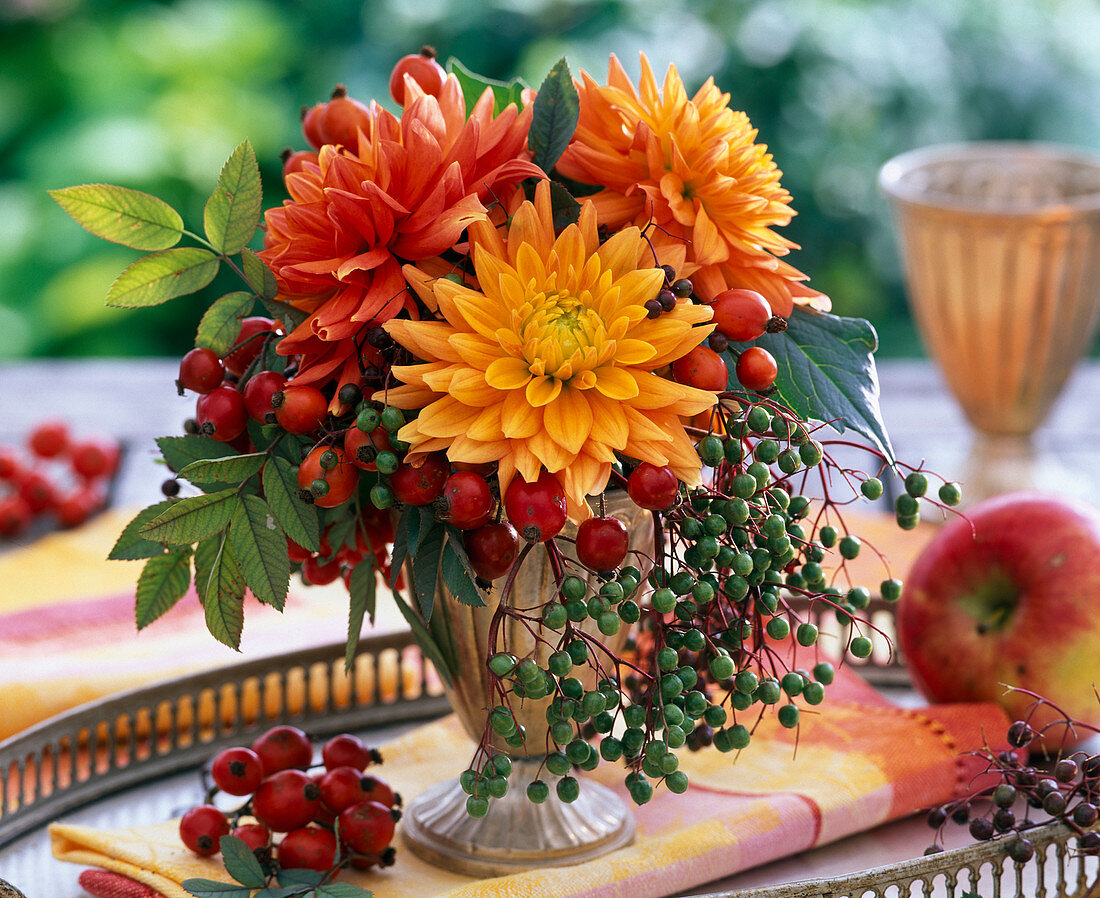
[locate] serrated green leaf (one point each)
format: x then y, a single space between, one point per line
425 566
458 577
297 876
204 888
234 469
287 314
557 109
260 547
223 596
564 208
473 86
130 546
827 373
424 638
206 556
298 519
161 276
232 213
191 519
342 890
260 278
122 215
163 582
179 452
361 591
241 863
221 322
400 550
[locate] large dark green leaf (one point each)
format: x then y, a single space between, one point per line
557 109
425 567
161 276
192 519
241 863
260 547
361 591
233 210
473 86
564 206
457 573
827 373
122 215
424 638
297 518
209 888
221 323
260 278
179 452
130 545
234 469
164 580
220 584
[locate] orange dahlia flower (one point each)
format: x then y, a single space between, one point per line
690 167
405 194
552 362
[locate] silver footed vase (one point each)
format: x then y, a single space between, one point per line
517 833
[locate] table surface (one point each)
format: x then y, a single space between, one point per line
136 400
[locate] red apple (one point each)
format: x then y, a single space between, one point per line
1009 596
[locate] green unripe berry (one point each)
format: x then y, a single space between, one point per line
393 419
329 459
789 461
768 692
788 716
861 647
736 510
558 764
714 525
663 600
477 807
559 664
739 736
759 419
908 522
611 749
688 676
715 716
386 461
744 486
668 764
824 673
806 634
871 488
710 449
741 702
576 611
498 786
630 612
609 623
667 659
573 588
677 782
760 473
746 682
811 453
734 451
537 791
694 640
742 564
368 420
827 535
849 547
906 505
634 715
792 683
721 667
554 616
467 780
381 496
916 484
813 573
695 704
950 494
568 789
641 790
578 651
502 663
813 693
890 589
766 451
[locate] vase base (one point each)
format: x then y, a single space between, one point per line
516 834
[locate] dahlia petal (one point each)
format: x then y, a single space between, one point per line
508 373
616 383
542 390
518 418
468 386
568 420
446 418
427 340
476 351
609 424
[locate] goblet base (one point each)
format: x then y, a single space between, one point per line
516 834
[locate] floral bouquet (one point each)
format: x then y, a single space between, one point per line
489 319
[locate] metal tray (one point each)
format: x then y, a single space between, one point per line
97 751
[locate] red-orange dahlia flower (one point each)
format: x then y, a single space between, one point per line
691 167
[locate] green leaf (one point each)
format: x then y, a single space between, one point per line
297 518
191 519
361 590
342 890
827 373
162 583
161 276
297 876
222 593
179 452
130 546
425 567
458 576
233 469
201 888
221 322
122 215
400 550
473 86
423 638
260 547
241 863
557 109
565 209
260 278
286 313
232 213
340 532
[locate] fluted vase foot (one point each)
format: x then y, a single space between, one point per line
517 834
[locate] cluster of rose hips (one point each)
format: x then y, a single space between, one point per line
55 475
1066 788
326 816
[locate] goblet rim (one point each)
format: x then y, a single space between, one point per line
895 177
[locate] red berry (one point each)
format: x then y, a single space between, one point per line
318 573
423 69
286 800
297 553
377 790
37 491
367 828
467 500
362 447
702 368
300 409
49 439
10 465
282 747
221 413
201 370
255 835
311 125
341 787
653 487
257 394
342 478
602 543
341 119
202 828
423 483
248 344
740 315
347 750
308 848
756 369
237 771
91 459
74 508
492 549
294 162
15 516
537 510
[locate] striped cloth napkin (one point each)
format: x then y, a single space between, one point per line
860 762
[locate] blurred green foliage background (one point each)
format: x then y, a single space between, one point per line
155 95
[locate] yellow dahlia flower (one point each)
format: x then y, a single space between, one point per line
691 167
552 363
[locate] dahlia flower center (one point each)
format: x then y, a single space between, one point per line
560 334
